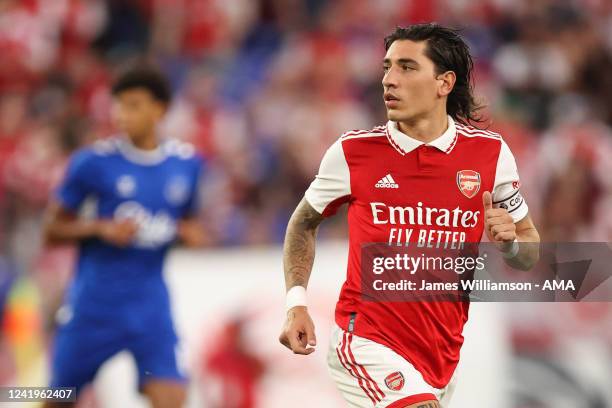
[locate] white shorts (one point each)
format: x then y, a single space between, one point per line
369 374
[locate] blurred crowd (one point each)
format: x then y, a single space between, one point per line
263 87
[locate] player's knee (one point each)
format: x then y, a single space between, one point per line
164 394
174 400
425 404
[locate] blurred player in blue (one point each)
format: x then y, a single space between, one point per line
141 191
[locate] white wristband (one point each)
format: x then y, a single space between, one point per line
513 251
296 296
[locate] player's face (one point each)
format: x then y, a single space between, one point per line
411 88
136 112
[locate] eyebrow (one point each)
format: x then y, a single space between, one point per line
401 61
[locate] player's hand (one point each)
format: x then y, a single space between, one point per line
191 233
119 233
499 224
298 334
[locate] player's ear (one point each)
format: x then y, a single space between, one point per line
160 109
446 82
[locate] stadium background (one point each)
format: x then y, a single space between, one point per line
262 88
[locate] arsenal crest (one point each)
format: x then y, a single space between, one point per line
395 381
468 182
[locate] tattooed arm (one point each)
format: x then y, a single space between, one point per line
299 248
298 257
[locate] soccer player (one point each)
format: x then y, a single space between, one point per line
425 160
140 192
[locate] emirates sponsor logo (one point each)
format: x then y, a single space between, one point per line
386 182
422 215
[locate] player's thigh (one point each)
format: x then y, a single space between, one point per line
165 393
370 374
353 389
78 354
157 359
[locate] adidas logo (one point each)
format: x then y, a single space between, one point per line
386 182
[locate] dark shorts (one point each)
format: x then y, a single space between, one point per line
78 353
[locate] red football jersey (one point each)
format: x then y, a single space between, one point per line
399 189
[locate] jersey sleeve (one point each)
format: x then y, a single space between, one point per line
77 184
506 191
331 187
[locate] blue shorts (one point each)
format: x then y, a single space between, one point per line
79 352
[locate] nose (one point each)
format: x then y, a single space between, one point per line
389 80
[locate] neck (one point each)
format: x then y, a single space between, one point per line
147 141
425 129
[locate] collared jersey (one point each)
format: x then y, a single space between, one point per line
399 189
114 180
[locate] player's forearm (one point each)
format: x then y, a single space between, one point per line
299 247
62 226
529 250
298 256
70 231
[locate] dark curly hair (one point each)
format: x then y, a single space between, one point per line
449 52
147 77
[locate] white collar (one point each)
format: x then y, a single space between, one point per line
141 156
405 144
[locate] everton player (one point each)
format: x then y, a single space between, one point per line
425 176
140 195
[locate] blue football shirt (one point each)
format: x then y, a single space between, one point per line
114 180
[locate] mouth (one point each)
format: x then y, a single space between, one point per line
390 97
391 101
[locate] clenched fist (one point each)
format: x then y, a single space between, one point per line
298 334
118 233
499 224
